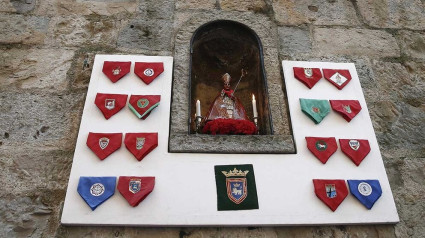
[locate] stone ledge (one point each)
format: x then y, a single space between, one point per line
231 144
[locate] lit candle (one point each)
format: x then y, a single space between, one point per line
198 108
254 106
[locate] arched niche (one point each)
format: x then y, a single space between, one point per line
225 46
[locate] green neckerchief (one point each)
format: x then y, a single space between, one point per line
315 109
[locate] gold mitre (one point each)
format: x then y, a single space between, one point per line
234 173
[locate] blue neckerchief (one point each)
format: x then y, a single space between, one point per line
366 191
96 190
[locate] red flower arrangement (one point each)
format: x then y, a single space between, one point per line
229 127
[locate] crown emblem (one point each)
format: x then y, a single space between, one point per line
235 172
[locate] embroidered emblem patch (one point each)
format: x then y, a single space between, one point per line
134 185
97 189
315 109
236 187
347 108
364 189
142 103
149 72
109 104
338 79
330 190
321 145
140 142
116 71
103 142
308 72
354 144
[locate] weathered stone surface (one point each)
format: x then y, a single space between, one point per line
102 8
317 12
393 14
40 120
361 42
399 117
24 216
6 6
294 41
145 34
243 5
80 31
20 29
32 169
156 9
196 4
408 192
412 44
32 68
19 6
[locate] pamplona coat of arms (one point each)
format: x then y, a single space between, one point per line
236 185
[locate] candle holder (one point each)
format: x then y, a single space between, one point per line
198 120
256 125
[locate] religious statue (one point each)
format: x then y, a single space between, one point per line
227 115
226 105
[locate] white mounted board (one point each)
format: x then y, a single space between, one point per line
185 192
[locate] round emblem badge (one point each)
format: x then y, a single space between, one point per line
364 189
97 189
148 72
142 103
321 145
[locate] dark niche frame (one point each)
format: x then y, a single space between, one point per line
246 52
280 139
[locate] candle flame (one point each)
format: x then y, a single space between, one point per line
253 97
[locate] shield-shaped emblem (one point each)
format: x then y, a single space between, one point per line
330 190
110 104
140 142
103 142
347 109
308 72
134 185
354 144
236 189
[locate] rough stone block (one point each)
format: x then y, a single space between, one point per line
294 41
146 34
156 9
243 5
24 216
317 12
6 6
195 4
360 42
101 8
78 31
32 120
20 29
45 68
393 14
399 119
413 44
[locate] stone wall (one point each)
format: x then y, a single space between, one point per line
47 49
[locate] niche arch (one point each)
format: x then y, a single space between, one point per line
225 46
